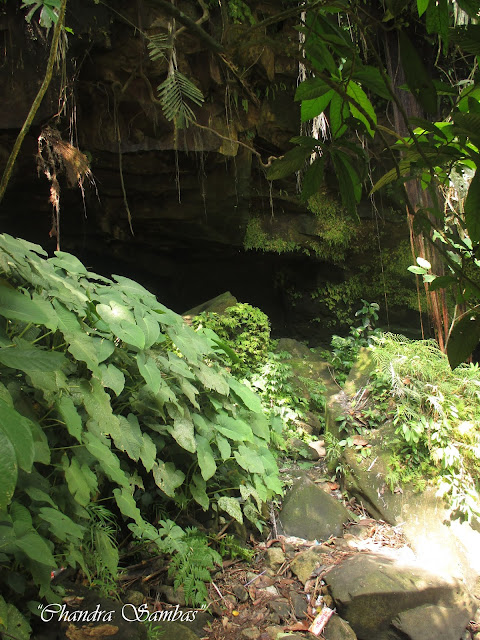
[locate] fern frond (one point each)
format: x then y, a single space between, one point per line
173 93
157 45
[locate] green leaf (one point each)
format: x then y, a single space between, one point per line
250 399
339 112
371 78
148 452
236 430
417 270
70 263
232 507
90 350
81 481
8 470
35 547
167 477
37 495
441 282
312 108
206 459
464 338
422 6
292 161
129 436
212 378
249 459
150 372
472 209
360 97
437 20
418 79
15 305
70 416
61 525
198 490
16 428
313 178
112 378
14 623
310 89
129 333
127 505
348 182
223 446
469 6
33 359
109 463
183 432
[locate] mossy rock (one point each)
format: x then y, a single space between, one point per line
219 305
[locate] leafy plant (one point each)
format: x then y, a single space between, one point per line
104 390
246 330
191 566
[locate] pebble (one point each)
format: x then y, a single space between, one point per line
281 608
273 631
251 633
299 605
240 592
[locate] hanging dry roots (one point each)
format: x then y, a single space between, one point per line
55 156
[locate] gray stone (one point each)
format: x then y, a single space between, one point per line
431 622
306 562
338 629
281 608
240 592
310 513
371 591
175 631
299 605
274 557
251 633
360 372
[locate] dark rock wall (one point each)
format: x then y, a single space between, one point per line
192 194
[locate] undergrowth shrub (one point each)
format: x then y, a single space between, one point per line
107 394
246 330
436 416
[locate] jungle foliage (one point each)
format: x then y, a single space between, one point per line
107 399
351 51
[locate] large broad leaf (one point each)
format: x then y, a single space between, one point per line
61 525
472 209
16 428
127 505
150 372
339 112
198 490
223 446
437 19
8 471
371 78
248 397
464 338
312 108
468 38
206 459
212 378
233 428
422 6
148 452
249 459
418 79
35 547
348 182
20 306
313 178
81 481
70 263
70 415
167 477
90 350
360 97
232 507
31 359
311 88
112 378
129 436
109 463
183 431
292 161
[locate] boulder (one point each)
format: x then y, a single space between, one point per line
379 597
309 512
219 304
338 629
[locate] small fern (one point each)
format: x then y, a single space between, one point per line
231 548
191 566
157 45
173 93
